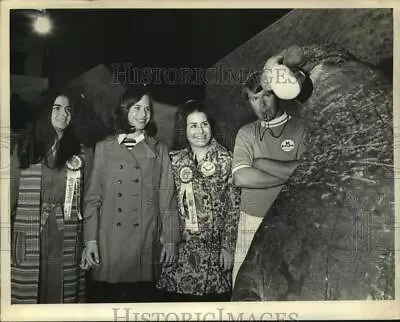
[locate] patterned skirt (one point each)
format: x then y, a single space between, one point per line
197 271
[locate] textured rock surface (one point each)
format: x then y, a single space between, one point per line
330 235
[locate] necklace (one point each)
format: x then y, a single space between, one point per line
270 131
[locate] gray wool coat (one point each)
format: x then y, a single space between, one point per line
130 207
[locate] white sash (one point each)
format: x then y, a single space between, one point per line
186 190
72 185
191 222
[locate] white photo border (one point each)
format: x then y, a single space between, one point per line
290 310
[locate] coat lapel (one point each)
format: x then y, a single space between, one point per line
119 150
149 147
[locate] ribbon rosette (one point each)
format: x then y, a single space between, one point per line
207 168
186 176
74 165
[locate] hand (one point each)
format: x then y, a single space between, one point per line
84 263
168 254
92 253
225 260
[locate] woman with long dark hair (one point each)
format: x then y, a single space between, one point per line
47 222
130 208
208 209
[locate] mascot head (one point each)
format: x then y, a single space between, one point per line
282 75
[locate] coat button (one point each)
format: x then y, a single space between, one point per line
119 194
118 224
136 225
136 180
137 167
119 209
119 181
121 166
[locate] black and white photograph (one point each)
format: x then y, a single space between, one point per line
178 155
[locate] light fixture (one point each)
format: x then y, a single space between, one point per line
41 22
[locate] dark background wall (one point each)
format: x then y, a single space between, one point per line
82 39
365 33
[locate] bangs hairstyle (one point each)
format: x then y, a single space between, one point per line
119 122
180 140
252 83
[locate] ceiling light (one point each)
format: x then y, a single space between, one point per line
42 23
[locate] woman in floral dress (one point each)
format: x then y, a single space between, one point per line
208 209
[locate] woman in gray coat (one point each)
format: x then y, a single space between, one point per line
130 218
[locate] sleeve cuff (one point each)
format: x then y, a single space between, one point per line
240 167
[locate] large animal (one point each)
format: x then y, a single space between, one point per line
330 233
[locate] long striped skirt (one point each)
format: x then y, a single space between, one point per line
45 266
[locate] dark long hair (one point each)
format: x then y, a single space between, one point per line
180 140
44 135
119 121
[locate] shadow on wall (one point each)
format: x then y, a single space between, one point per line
103 93
164 117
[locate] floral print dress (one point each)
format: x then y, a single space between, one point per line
209 211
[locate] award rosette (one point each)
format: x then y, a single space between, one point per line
75 163
74 166
186 176
207 168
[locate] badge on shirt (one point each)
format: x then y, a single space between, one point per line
75 163
207 168
186 174
287 145
73 185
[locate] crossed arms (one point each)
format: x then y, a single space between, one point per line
264 173
259 173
